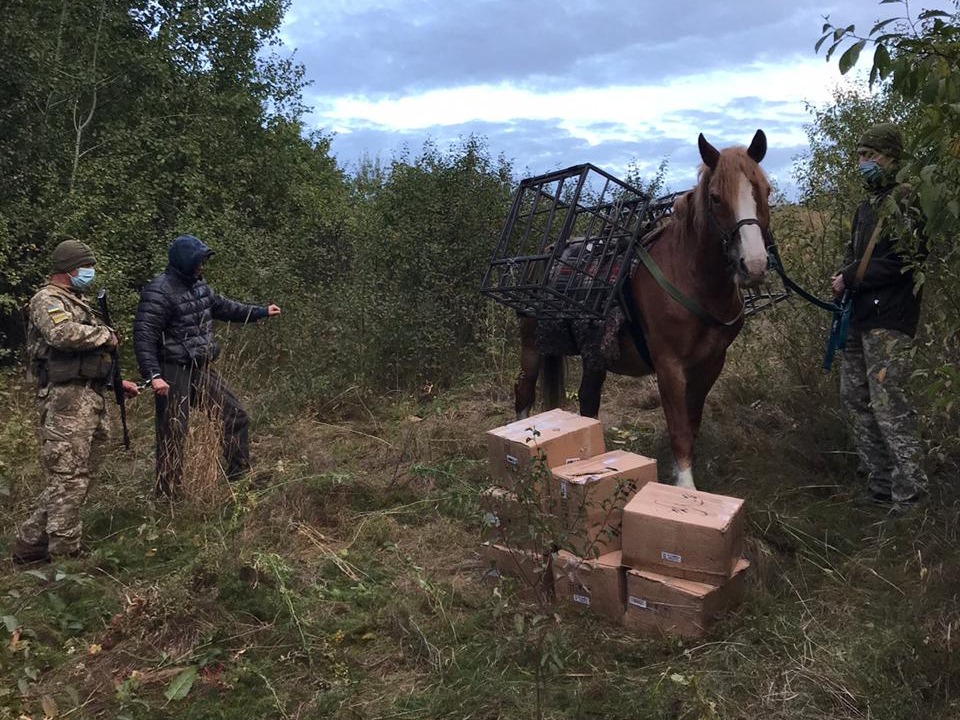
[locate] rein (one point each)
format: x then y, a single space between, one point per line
776 264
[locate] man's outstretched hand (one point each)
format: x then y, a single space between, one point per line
273 310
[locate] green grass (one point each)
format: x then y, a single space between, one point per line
345 585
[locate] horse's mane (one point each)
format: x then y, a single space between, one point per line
690 209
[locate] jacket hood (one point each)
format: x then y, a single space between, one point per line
185 255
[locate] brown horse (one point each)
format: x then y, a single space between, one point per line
713 244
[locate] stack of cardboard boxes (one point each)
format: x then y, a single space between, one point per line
596 531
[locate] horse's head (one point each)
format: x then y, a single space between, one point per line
734 195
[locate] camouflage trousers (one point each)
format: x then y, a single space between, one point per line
73 425
873 378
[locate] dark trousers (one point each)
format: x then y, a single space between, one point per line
201 387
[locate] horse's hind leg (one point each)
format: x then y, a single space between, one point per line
525 389
553 381
591 384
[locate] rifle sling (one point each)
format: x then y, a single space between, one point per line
867 254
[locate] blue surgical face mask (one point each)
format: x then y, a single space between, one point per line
83 278
870 169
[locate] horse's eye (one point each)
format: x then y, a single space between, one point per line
714 198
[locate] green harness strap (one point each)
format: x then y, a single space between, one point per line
671 290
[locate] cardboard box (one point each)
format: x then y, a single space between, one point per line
596 586
684 533
660 604
558 436
588 497
531 571
508 520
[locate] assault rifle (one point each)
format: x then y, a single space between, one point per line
837 340
116 379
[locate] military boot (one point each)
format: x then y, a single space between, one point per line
27 554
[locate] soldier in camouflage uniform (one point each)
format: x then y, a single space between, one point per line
69 348
886 311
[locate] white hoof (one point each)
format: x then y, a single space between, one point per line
684 479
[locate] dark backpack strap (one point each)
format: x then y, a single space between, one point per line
633 323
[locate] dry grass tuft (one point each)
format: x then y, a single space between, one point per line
204 483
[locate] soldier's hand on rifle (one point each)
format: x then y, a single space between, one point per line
273 310
130 389
838 285
112 343
159 386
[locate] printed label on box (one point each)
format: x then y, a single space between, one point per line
670 557
582 599
511 460
563 489
637 602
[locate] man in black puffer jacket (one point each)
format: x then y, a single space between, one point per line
174 343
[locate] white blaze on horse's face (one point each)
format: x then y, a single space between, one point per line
752 250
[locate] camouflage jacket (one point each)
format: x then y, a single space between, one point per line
66 339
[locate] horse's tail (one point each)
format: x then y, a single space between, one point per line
553 366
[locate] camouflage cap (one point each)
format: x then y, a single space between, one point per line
71 254
884 138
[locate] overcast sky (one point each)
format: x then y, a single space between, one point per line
553 83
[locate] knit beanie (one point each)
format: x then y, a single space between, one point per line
884 138
71 254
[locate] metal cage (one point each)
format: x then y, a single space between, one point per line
564 250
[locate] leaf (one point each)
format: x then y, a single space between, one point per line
832 48
820 42
927 14
49 705
181 684
10 623
850 56
881 61
882 24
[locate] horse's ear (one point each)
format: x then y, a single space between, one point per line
708 152
758 148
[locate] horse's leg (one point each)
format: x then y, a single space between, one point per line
673 394
552 381
699 383
591 384
525 389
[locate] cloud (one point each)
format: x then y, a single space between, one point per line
552 83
